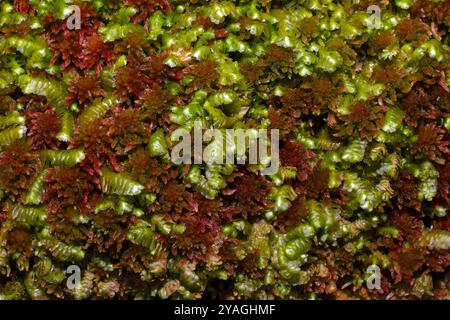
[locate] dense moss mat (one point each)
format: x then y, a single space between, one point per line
93 95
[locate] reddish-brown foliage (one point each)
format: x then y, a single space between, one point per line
405 191
69 187
388 74
294 154
18 166
381 40
419 104
7 104
277 60
204 73
82 48
155 101
317 182
149 171
107 233
134 44
298 100
84 90
172 193
435 12
433 143
365 120
137 258
43 124
444 183
410 29
22 6
202 234
293 216
286 122
410 226
439 262
248 193
407 262
250 72
147 7
115 135
96 53
132 80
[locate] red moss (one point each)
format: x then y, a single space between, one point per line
22 6
418 105
278 55
247 194
286 122
439 262
433 12
207 207
441 223
106 139
69 187
84 90
66 48
154 66
388 74
410 29
200 216
201 236
146 8
132 80
250 264
107 233
96 53
294 154
250 72
410 226
365 120
18 166
43 124
221 33
98 152
317 182
138 258
7 104
155 101
293 216
204 73
407 262
277 61
172 193
61 225
148 171
312 96
82 47
381 40
298 100
444 183
433 143
228 253
405 191
134 44
20 242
